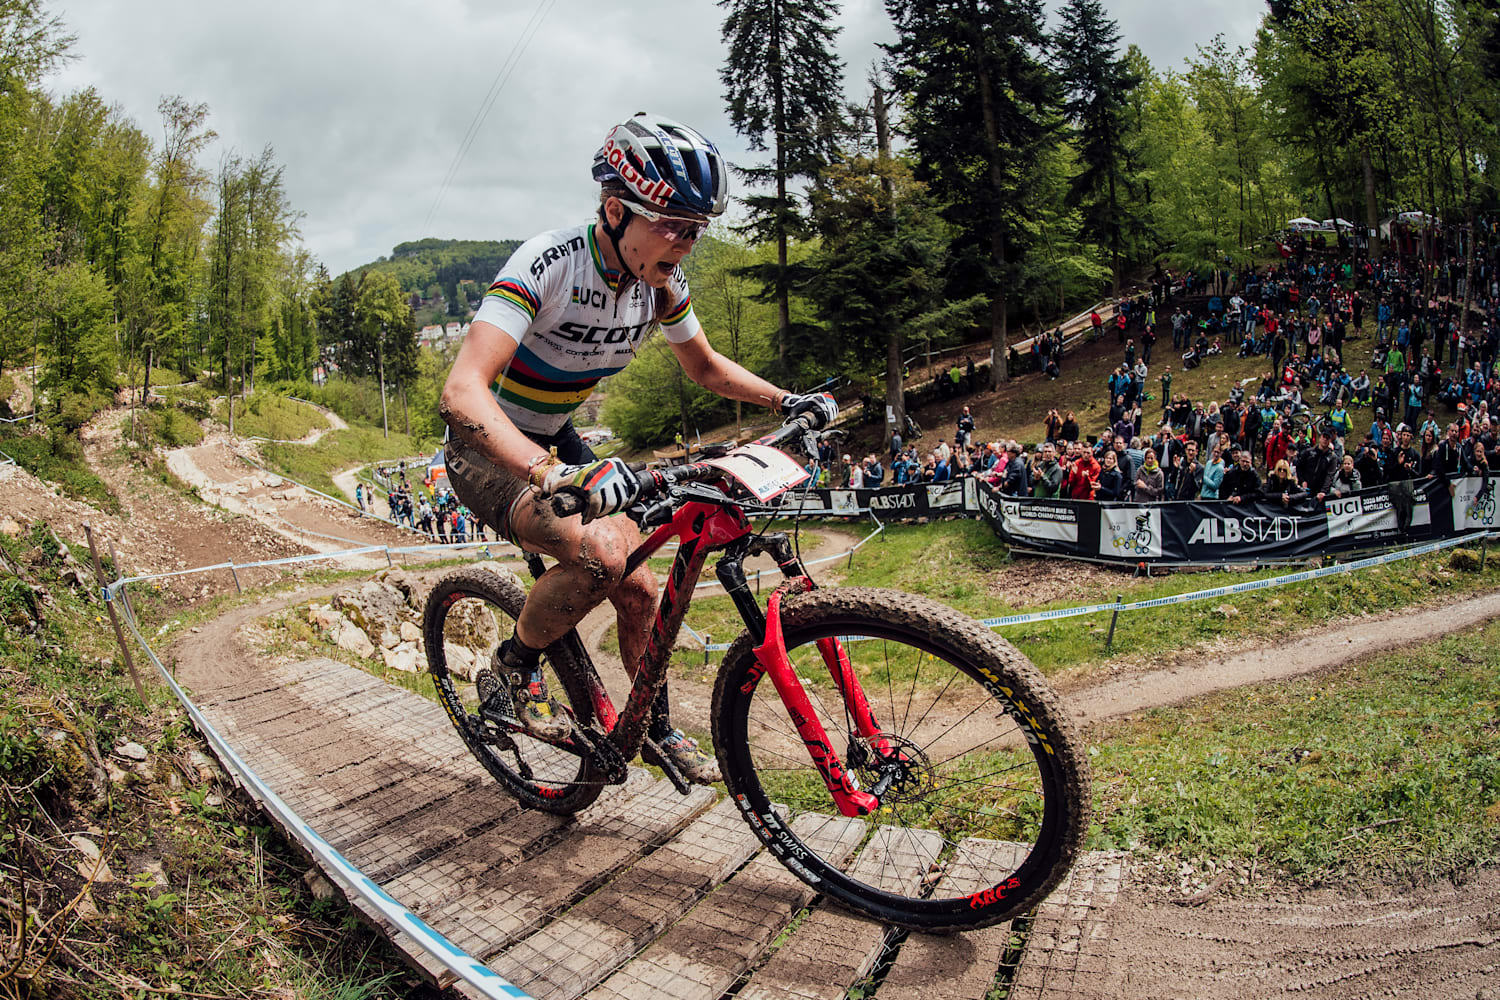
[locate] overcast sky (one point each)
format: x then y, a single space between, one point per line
367 105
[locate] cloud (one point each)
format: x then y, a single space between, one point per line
367 105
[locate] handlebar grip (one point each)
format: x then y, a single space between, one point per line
569 504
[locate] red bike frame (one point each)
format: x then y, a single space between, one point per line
701 528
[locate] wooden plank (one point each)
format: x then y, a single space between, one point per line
1067 947
705 952
958 966
485 906
833 949
577 951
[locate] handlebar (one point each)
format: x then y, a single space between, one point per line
655 482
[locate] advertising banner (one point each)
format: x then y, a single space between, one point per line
1206 532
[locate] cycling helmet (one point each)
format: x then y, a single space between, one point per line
665 164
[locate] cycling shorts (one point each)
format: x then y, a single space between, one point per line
493 493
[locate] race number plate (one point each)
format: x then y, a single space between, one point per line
764 471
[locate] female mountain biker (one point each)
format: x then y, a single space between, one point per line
569 308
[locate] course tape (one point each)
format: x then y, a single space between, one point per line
356 882
315 557
1284 580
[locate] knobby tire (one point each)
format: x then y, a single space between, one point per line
457 612
998 770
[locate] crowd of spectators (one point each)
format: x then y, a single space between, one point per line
431 509
1289 440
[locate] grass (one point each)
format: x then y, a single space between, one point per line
310 464
58 458
1018 408
271 416
1389 769
962 564
207 899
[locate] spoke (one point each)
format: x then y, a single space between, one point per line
965 753
953 725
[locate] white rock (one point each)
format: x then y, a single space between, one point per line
351 637
410 633
93 866
460 661
131 751
324 617
319 886
389 639
404 658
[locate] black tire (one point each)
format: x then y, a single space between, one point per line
476 609
996 718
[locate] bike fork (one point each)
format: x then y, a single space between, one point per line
772 657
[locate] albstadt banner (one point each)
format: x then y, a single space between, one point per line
1189 531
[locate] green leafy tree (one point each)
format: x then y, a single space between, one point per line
1097 82
877 273
981 108
782 82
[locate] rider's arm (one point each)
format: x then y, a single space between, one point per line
471 410
720 375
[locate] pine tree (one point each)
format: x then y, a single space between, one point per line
981 108
783 84
1097 83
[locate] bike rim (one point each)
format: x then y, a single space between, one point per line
972 819
472 628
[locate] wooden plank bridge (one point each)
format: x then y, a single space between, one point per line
647 894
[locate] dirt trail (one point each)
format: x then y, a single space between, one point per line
223 478
1438 942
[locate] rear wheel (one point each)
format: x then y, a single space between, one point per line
983 786
468 614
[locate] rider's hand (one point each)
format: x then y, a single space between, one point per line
609 486
821 405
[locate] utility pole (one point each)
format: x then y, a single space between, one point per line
384 425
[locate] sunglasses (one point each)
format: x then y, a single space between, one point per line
668 227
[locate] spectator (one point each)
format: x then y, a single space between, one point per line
1111 480
1017 482
1070 428
1281 486
1082 476
1213 474
1346 479
965 433
1150 482
1317 466
1188 477
856 480
1241 484
1448 461
1049 479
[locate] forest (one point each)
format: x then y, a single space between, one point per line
994 171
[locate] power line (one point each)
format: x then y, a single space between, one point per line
502 75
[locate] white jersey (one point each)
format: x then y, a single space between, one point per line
560 304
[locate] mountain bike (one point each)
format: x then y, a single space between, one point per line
856 705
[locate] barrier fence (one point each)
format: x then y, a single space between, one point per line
353 881
442 951
1187 532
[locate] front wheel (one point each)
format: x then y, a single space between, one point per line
984 791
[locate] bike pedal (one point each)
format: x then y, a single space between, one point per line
652 753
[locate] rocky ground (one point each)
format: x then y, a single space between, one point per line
244 515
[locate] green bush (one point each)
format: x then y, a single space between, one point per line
55 455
